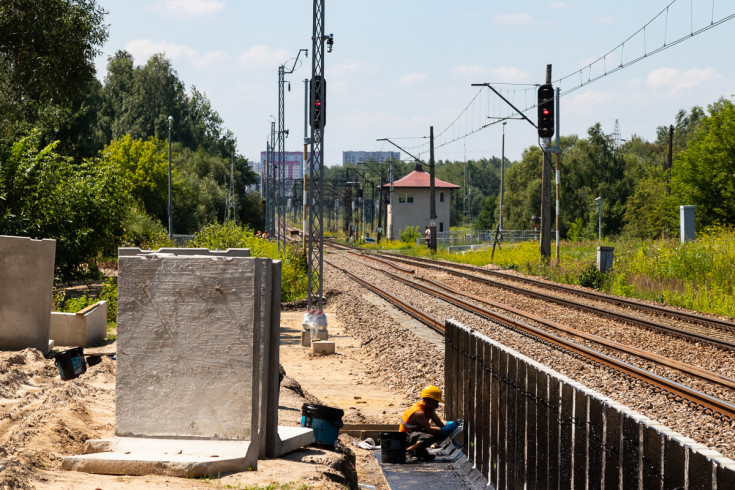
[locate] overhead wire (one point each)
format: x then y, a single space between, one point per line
495 106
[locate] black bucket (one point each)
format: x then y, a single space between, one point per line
325 421
393 447
71 363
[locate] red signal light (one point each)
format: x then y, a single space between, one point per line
545 112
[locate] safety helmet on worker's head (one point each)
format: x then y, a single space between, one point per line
432 392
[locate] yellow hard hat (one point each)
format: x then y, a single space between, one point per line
432 392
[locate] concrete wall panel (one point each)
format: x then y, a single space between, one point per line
26 289
85 328
187 356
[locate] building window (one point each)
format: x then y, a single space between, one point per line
441 197
441 226
405 197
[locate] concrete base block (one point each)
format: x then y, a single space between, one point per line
97 446
293 438
185 458
319 335
323 347
306 339
84 328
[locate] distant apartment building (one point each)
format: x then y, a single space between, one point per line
294 163
355 157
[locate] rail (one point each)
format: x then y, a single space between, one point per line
527 426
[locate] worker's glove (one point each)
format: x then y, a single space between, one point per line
449 428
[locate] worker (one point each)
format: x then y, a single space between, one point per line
427 236
417 422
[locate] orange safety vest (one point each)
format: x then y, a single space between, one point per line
405 426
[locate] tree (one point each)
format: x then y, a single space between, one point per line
703 173
47 50
48 46
46 195
143 167
522 198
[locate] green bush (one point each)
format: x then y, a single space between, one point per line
591 277
410 234
72 305
218 236
144 231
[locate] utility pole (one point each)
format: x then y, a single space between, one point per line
545 242
669 161
170 206
282 134
558 171
432 204
304 164
502 181
315 258
272 185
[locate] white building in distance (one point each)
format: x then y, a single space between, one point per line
410 203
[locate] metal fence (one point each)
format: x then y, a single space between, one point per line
527 426
460 241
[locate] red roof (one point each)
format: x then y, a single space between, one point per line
419 178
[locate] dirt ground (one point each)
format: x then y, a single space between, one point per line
43 419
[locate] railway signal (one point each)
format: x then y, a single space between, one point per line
318 102
545 111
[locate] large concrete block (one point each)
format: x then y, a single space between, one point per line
26 289
85 328
188 346
230 252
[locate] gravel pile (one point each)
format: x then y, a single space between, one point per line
399 362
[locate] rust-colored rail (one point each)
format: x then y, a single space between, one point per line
688 369
685 316
386 262
631 319
693 398
420 315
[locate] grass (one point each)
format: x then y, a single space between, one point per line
695 275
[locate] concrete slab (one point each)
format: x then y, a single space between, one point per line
26 289
85 328
186 458
293 438
323 347
306 339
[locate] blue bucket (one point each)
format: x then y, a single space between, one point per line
325 421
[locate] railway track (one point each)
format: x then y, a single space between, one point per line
695 332
674 391
652 309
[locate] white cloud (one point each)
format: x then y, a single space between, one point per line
263 55
588 99
412 79
512 19
558 5
142 49
676 80
603 20
188 8
506 74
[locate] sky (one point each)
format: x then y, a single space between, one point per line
399 67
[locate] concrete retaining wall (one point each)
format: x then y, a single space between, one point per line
188 355
527 426
26 289
84 328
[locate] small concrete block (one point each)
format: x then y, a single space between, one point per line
306 339
323 346
97 446
319 335
293 438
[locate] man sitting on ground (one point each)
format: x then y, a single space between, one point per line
417 422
